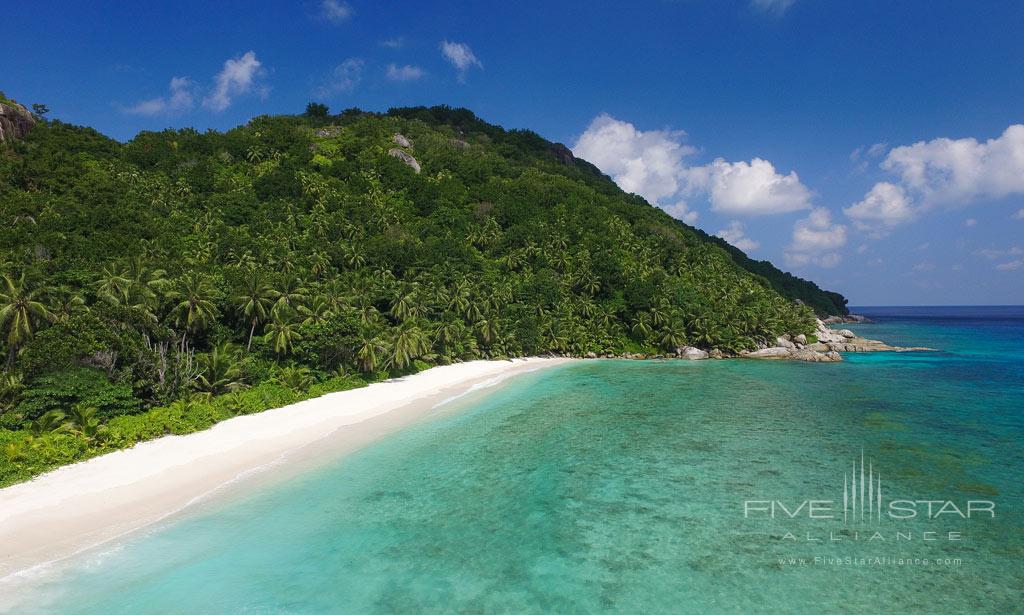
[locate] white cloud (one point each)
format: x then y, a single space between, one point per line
772 6
344 78
957 172
181 97
681 211
969 222
460 56
239 76
816 240
924 266
735 235
883 208
335 11
652 164
1019 215
646 163
1010 265
393 43
754 188
992 253
404 73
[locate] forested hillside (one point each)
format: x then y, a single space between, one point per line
160 285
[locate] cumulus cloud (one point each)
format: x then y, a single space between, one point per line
961 171
969 222
393 43
404 73
816 240
735 235
180 97
652 163
924 266
239 76
749 188
335 11
460 56
344 78
883 208
772 6
1010 265
648 163
681 211
1019 215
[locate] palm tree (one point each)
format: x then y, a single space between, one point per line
11 386
318 311
48 423
368 353
282 334
20 313
409 342
219 370
642 326
84 423
352 256
65 303
146 284
673 335
290 294
195 308
297 378
114 284
405 305
488 328
255 303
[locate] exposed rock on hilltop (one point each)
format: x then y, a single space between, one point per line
15 120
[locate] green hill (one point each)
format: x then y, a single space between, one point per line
162 284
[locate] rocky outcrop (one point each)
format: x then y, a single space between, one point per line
692 353
563 154
15 120
848 319
458 143
402 140
406 158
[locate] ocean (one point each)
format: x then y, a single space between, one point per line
890 481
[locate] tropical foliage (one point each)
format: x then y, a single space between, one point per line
160 285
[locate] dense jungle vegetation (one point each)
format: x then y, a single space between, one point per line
163 284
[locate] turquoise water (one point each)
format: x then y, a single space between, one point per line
619 486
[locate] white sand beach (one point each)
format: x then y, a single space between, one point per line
86 504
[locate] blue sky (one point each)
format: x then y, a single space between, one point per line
871 146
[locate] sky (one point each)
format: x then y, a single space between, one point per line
876 147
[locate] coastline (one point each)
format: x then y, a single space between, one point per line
77 507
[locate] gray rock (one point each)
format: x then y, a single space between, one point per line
689 352
406 158
15 121
784 343
846 333
402 140
591 355
772 352
800 339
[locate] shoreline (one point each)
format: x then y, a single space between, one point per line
78 507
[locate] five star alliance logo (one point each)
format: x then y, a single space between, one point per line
869 500
862 502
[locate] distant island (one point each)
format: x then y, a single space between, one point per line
162 285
